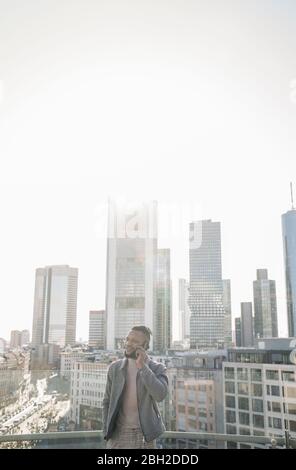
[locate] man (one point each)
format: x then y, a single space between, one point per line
131 419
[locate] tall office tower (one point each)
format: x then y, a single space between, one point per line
25 337
184 311
55 301
247 328
238 332
15 339
97 328
206 289
227 309
163 309
265 309
131 270
289 242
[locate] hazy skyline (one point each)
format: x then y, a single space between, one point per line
189 103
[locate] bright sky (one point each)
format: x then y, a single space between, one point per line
190 103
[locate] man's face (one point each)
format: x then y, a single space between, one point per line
133 340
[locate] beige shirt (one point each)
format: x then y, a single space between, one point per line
129 415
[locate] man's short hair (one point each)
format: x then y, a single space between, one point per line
144 329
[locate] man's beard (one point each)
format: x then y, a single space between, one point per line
132 355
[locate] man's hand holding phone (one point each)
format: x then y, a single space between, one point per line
142 357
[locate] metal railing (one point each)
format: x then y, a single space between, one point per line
271 442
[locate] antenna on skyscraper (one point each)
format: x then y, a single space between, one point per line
292 201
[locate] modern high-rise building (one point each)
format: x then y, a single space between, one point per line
97 328
265 306
289 242
247 325
131 270
25 337
227 308
238 332
184 311
19 338
206 287
15 339
162 330
55 303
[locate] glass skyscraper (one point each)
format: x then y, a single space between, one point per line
163 310
131 270
265 308
55 304
289 244
184 310
227 308
247 325
207 321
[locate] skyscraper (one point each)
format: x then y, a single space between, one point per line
15 339
227 309
265 307
184 311
162 330
55 302
97 328
206 288
289 242
238 332
131 270
247 327
19 338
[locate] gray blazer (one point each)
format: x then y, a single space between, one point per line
152 387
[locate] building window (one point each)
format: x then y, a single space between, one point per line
230 401
231 445
192 423
244 418
275 390
203 426
191 395
272 375
256 390
191 410
277 423
243 389
258 421
243 403
242 373
229 373
257 405
229 387
291 392
292 426
292 408
230 416
230 429
256 375
244 431
288 376
276 407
